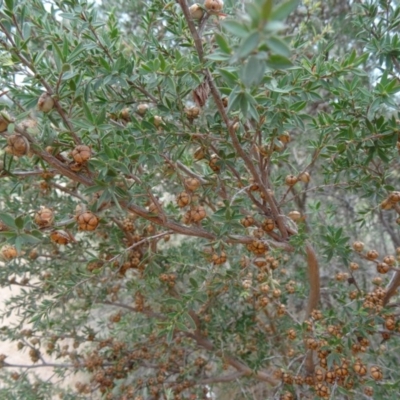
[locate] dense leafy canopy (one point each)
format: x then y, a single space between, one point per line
200 200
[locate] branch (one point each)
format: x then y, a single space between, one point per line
53 161
242 368
314 279
391 289
313 297
192 28
235 141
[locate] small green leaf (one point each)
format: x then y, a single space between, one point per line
10 4
236 28
229 77
278 46
170 334
279 62
244 104
283 10
218 57
19 221
194 283
249 44
266 9
222 43
253 71
190 320
8 220
28 239
234 100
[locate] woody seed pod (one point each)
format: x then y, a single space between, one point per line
214 6
18 145
60 237
45 102
81 154
9 252
4 122
142 108
44 217
196 12
87 221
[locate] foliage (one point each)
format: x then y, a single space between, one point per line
185 201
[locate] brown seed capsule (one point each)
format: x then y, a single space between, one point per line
45 102
214 163
376 373
319 374
258 247
389 260
33 254
60 237
386 205
214 6
354 266
369 391
18 145
341 276
4 122
218 259
81 154
268 225
330 377
372 255
286 396
199 154
276 293
196 12
197 214
244 262
354 294
278 146
342 370
294 216
187 219
316 315
394 197
312 344
358 246
284 137
322 390
192 112
247 221
305 177
126 114
291 333
260 262
74 166
359 368
142 108
9 252
291 180
158 121
87 221
183 199
44 217
192 184
382 268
